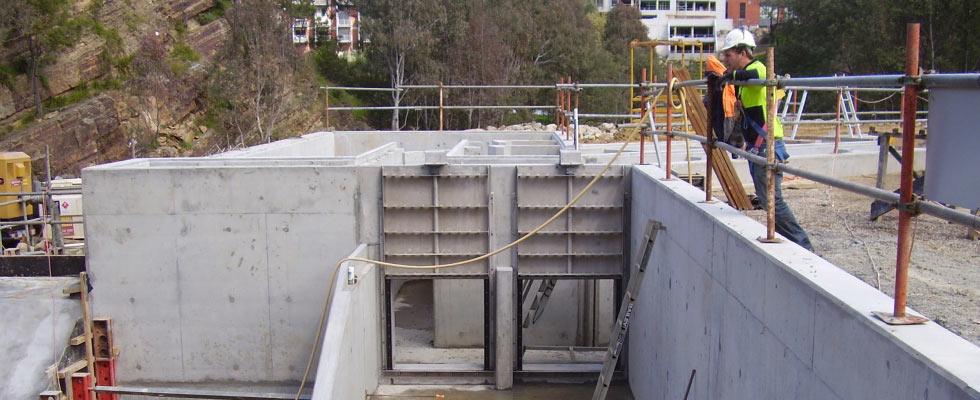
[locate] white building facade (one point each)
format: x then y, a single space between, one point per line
686 20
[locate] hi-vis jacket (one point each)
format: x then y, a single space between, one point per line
753 100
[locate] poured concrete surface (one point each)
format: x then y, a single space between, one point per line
37 321
520 391
350 352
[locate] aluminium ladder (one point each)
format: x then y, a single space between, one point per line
626 311
797 113
849 113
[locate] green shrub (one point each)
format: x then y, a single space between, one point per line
183 52
78 94
179 68
213 13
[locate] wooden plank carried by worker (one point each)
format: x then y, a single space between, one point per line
720 161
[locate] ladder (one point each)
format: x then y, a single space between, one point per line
540 300
849 113
626 311
797 111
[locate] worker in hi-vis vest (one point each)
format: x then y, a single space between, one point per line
737 56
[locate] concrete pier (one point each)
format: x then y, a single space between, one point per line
505 329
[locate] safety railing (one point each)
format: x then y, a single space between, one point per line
906 202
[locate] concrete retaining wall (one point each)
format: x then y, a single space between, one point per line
217 273
350 355
767 321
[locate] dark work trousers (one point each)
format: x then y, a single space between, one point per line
786 223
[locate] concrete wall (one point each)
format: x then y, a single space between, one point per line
767 321
350 353
458 313
218 273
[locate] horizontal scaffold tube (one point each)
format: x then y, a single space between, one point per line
924 207
443 107
476 87
894 80
365 89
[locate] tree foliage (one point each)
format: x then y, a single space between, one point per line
826 37
823 37
258 84
623 26
45 26
493 42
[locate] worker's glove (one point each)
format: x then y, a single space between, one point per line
725 79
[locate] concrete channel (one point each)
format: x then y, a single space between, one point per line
214 271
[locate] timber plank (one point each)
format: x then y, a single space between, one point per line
721 163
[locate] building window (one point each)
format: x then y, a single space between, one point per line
708 48
741 10
343 18
663 4
343 35
694 32
695 6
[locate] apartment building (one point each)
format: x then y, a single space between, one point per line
331 19
707 21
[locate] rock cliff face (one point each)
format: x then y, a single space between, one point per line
84 135
114 124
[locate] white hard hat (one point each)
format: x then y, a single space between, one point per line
736 37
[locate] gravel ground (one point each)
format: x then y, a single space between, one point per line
945 264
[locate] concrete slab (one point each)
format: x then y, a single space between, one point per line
38 320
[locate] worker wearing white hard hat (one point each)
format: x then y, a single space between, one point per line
736 54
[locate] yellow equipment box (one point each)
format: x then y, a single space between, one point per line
15 176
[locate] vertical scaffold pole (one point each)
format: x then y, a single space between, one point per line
326 107
840 98
909 98
908 153
568 107
643 110
440 105
559 113
576 116
770 152
670 121
710 148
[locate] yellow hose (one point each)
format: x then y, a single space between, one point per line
333 279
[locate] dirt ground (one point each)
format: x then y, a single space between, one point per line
945 264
